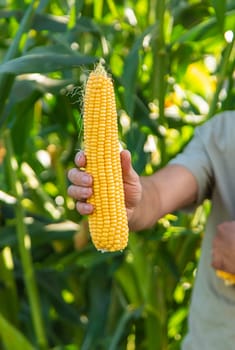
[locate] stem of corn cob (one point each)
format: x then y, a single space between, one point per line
108 223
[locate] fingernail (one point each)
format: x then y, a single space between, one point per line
87 208
86 192
78 157
86 180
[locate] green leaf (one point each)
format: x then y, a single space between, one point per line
52 285
9 303
51 63
12 338
6 81
122 325
130 72
24 87
98 9
220 9
50 22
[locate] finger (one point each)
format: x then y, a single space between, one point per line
79 178
129 174
80 159
84 208
217 256
215 243
125 160
217 262
79 193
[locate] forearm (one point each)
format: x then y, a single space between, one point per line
171 188
146 214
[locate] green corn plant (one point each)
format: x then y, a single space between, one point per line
169 76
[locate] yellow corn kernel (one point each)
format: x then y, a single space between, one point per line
228 278
108 223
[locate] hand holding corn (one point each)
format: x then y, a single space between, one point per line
108 217
146 198
81 188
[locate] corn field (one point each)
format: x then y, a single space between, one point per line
172 63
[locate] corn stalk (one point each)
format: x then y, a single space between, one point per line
24 245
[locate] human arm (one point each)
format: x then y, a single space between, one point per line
169 189
147 198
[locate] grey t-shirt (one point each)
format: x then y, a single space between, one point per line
210 156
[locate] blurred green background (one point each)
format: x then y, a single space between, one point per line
172 63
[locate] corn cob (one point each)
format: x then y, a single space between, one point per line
228 278
108 223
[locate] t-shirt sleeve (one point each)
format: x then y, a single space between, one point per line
196 158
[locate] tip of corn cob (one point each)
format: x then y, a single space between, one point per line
99 69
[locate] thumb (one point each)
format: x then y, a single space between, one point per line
128 173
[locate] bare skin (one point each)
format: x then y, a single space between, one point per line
149 198
223 247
